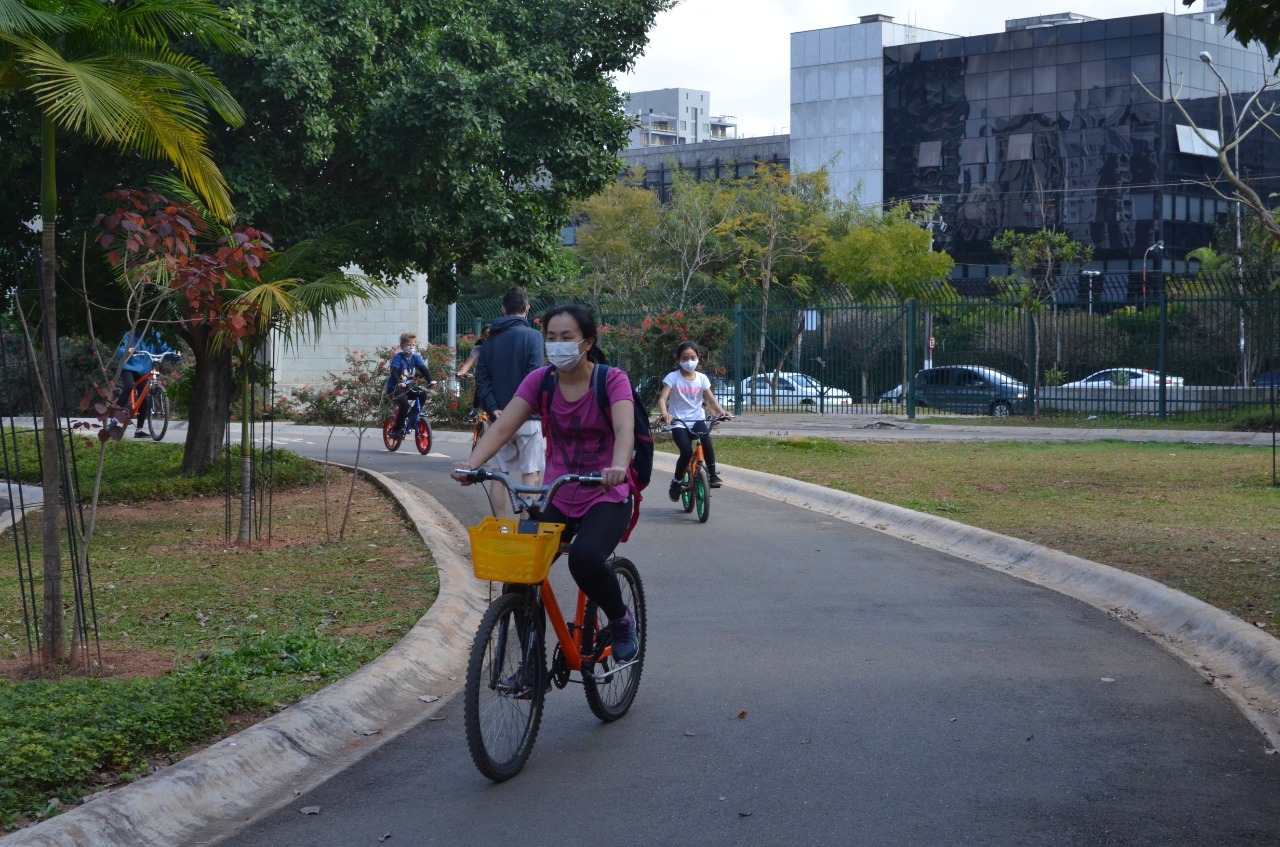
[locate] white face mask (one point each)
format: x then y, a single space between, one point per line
689 365
563 354
411 349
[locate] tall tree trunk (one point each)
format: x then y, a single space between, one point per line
246 462
54 646
211 393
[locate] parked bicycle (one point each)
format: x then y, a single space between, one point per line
151 386
695 490
507 675
415 421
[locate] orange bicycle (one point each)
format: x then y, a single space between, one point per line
695 490
507 674
151 385
480 428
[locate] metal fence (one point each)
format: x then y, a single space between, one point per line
1203 348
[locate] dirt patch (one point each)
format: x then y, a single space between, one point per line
104 664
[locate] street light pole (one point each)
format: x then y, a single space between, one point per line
1207 58
1158 247
1091 276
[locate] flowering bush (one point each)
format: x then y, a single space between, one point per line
648 352
354 397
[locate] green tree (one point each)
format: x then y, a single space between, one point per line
615 239
1040 257
107 72
689 224
778 227
890 256
454 130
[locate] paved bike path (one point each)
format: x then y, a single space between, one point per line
276 764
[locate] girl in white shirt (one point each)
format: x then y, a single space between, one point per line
684 390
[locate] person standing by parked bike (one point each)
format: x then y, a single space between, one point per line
684 390
135 350
512 351
472 358
405 365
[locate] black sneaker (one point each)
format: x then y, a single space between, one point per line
674 491
715 479
623 632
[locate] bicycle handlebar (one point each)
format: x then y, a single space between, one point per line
154 357
521 495
714 420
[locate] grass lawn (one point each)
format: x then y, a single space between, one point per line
199 637
1202 519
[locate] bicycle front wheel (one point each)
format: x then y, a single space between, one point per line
611 687
702 493
158 422
686 493
482 426
422 436
506 683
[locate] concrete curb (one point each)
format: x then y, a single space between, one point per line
1233 656
263 768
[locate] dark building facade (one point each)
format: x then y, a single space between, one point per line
1050 126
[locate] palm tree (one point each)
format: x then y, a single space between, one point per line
297 290
106 71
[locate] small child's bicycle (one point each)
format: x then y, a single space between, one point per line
507 675
695 490
414 422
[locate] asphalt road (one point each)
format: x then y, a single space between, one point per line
809 681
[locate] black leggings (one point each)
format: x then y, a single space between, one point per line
127 381
595 536
684 440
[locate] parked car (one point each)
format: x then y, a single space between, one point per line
1124 378
1268 379
893 395
971 389
794 389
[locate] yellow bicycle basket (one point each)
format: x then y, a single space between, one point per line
506 550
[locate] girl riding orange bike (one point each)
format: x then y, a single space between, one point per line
684 390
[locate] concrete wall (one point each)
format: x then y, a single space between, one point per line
371 327
1125 400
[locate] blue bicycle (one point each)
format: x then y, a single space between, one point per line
414 422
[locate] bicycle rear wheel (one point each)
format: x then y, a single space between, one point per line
158 422
610 690
422 436
389 437
702 493
506 684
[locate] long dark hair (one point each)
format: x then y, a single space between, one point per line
686 345
586 324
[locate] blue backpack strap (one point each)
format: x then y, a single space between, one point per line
550 377
599 384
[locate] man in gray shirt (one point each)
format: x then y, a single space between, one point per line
513 350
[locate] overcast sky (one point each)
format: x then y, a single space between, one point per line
740 50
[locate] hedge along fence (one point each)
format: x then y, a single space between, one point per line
1186 327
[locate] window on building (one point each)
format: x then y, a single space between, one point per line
973 151
1190 143
684 124
930 155
1019 147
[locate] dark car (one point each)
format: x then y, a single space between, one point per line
1269 379
973 390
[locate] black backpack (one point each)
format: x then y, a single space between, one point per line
640 471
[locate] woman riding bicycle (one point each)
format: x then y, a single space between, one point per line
686 390
580 440
406 364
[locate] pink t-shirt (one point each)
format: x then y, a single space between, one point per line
579 439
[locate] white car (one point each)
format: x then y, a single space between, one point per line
794 389
1124 378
